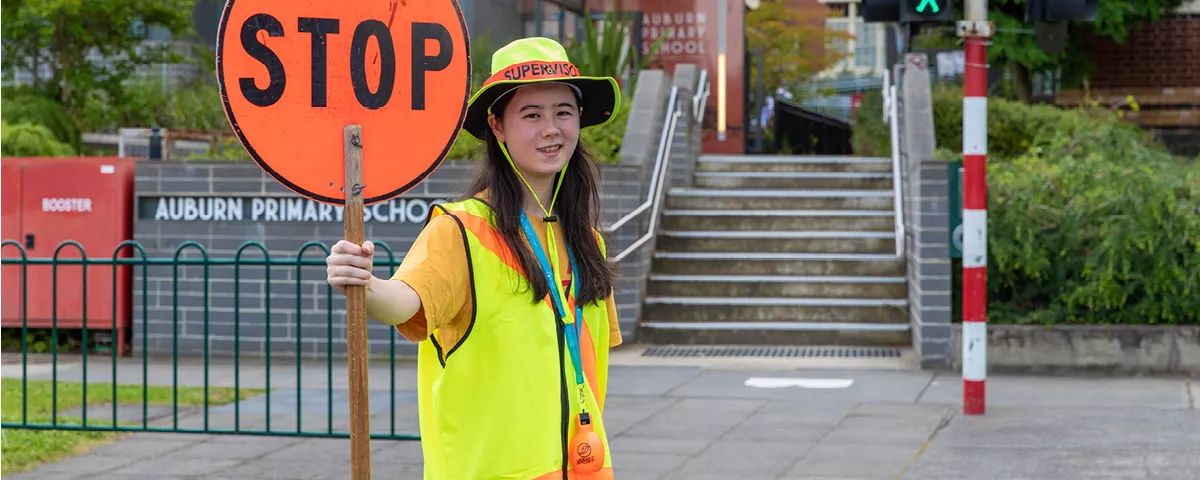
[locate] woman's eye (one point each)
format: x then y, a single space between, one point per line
532 115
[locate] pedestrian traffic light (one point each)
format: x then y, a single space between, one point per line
1039 11
926 11
907 11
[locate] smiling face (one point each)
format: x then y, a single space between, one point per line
540 126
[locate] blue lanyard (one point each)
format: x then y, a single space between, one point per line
572 331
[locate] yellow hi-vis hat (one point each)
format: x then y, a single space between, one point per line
537 60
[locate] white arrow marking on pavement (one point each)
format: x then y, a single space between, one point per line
774 382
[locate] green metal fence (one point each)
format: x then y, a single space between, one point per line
35 415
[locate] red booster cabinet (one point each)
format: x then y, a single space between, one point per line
49 201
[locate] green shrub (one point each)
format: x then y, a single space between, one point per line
466 147
23 106
869 136
1094 227
1013 127
31 140
194 106
604 142
1089 219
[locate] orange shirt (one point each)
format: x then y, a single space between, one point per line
436 268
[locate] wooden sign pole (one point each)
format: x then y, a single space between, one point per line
356 312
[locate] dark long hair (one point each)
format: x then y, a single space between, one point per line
578 211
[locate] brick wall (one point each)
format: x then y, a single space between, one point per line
1165 53
270 215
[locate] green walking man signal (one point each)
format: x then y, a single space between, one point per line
926 11
908 11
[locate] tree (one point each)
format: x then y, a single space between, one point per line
1115 19
792 41
60 34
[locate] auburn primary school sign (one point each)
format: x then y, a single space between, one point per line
277 209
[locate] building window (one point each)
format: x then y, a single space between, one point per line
862 54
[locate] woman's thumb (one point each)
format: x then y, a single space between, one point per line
368 248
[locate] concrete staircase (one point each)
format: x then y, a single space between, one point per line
778 250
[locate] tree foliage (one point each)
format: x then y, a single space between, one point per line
792 41
60 34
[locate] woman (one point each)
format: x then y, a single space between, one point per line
508 291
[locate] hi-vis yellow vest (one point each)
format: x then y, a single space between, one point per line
502 403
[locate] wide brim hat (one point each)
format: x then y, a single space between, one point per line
539 60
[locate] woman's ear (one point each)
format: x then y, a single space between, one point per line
497 128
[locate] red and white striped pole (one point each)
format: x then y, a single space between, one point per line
977 30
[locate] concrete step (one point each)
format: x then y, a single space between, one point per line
770 163
776 241
777 286
800 264
774 333
824 180
777 199
828 220
766 309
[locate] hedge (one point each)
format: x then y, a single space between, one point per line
31 140
1089 220
1094 227
26 106
1013 127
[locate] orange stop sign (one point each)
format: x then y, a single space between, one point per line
293 73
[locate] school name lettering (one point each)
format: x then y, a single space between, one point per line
534 70
319 29
682 32
268 209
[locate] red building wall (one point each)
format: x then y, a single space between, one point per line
695 41
1163 54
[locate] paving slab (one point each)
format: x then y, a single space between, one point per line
745 459
697 423
854 459
1012 442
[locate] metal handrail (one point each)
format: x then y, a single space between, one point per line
700 98
662 164
666 139
893 117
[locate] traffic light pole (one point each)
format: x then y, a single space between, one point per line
977 30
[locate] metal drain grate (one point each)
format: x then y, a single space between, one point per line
772 352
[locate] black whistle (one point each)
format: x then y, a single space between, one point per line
585 419
552 218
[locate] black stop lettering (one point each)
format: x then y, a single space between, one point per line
319 28
277 77
358 59
421 62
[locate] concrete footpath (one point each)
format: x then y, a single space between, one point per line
720 420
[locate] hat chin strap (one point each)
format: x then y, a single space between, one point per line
551 242
548 211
